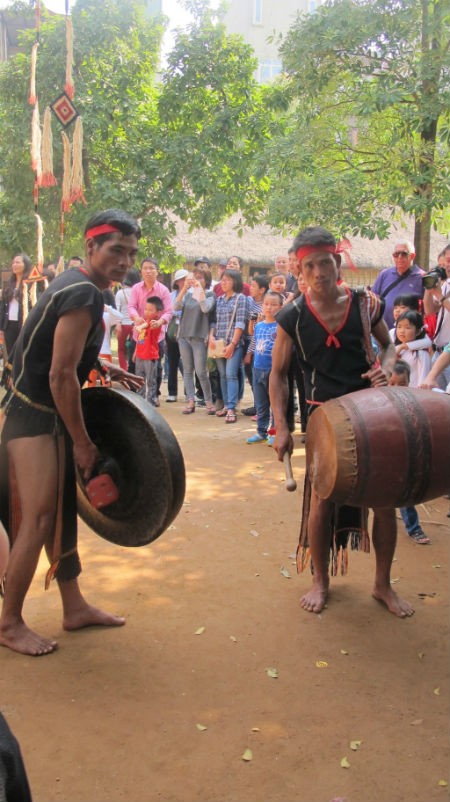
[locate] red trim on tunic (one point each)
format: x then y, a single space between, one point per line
331 339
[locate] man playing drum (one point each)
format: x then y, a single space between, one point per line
44 431
329 326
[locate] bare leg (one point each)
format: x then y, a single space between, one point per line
77 613
319 534
34 460
384 538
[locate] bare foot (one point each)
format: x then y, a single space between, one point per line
315 600
88 616
20 638
394 603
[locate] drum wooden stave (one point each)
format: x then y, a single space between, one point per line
381 447
126 427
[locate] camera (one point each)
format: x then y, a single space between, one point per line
254 316
430 280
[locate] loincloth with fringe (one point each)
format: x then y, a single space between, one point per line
348 527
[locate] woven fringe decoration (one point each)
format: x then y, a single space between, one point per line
65 199
48 178
33 293
36 138
60 266
32 96
25 303
69 87
76 190
40 249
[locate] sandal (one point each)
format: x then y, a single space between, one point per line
221 412
189 408
210 409
230 416
420 537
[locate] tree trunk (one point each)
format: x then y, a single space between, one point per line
422 231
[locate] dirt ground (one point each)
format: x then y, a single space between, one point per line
163 709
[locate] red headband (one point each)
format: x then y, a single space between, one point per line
106 228
342 247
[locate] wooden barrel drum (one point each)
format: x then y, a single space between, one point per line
152 476
381 447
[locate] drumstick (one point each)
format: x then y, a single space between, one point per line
291 484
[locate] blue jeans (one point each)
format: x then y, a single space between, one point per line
193 352
262 401
229 377
410 519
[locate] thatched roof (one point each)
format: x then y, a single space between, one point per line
260 245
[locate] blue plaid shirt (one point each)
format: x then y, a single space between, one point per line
224 312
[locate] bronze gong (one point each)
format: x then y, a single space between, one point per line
152 474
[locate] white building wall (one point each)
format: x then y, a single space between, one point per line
257 20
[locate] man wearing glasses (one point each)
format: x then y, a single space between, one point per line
404 278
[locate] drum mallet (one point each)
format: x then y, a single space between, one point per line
290 484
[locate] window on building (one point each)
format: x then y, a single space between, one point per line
268 69
257 12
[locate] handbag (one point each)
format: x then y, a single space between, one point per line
219 351
172 329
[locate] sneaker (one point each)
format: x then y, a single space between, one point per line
270 440
256 438
249 411
171 398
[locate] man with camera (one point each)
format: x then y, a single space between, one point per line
436 301
404 278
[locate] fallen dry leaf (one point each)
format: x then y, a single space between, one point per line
436 566
254 533
437 691
421 655
200 631
344 763
443 783
321 664
272 672
201 727
416 722
344 651
248 755
233 638
354 745
284 572
256 729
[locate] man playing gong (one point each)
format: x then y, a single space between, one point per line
44 434
330 327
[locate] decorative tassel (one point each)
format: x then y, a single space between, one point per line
60 266
25 304
65 199
69 87
36 195
36 138
48 179
33 293
76 193
32 97
40 249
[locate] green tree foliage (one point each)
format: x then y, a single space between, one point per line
181 143
367 82
115 63
214 121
